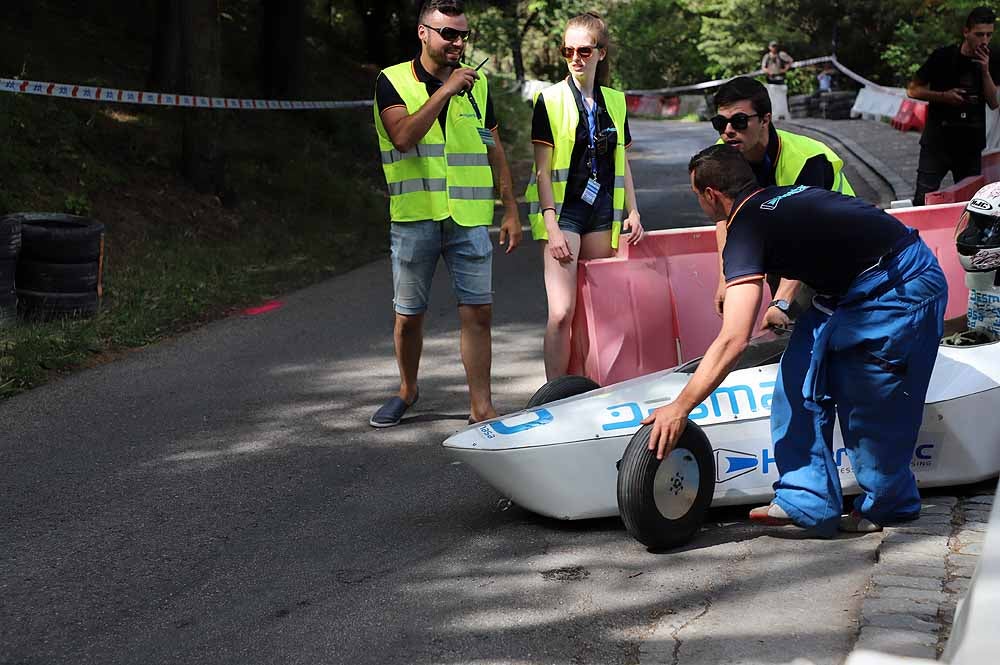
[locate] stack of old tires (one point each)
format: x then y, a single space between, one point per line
10 245
836 105
59 269
798 106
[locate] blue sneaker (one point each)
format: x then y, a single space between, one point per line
391 412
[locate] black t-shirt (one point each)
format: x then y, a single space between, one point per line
844 237
816 172
579 164
947 68
387 97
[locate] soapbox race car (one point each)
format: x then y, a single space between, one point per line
578 451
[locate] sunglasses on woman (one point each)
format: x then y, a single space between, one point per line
450 34
583 51
737 120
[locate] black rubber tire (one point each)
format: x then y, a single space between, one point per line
41 306
8 309
10 237
8 268
636 484
57 277
57 238
561 388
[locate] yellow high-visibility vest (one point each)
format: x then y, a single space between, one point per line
564 116
794 150
447 174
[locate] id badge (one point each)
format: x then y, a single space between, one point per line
590 192
486 136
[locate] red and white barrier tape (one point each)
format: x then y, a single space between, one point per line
717 82
116 96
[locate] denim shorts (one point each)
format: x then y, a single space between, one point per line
416 246
578 216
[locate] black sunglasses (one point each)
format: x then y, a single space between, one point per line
450 34
737 120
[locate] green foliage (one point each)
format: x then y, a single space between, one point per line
657 44
513 115
77 204
531 29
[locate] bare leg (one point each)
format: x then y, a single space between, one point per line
477 356
596 245
408 336
560 289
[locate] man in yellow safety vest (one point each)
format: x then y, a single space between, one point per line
777 157
442 158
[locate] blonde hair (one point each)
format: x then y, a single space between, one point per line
598 29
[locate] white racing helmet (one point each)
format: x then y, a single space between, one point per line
977 238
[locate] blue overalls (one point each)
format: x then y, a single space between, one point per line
868 360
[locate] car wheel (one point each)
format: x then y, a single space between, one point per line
561 388
663 502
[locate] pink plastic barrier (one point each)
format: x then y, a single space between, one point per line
644 104
963 190
936 224
651 308
912 114
991 166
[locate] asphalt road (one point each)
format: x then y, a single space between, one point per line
219 498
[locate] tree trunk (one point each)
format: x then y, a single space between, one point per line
165 73
373 21
282 48
202 158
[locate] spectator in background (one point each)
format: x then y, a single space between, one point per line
774 65
825 78
956 81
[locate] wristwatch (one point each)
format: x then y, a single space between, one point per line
781 304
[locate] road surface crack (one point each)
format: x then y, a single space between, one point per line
674 634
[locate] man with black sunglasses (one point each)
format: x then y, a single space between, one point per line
442 158
777 157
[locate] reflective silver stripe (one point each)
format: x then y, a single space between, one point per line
559 175
619 182
420 150
468 159
619 215
535 207
417 185
470 193
840 182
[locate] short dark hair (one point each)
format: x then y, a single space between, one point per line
741 88
446 7
980 15
723 168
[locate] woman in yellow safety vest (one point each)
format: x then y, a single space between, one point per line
581 195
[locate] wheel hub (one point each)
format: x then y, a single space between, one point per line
675 486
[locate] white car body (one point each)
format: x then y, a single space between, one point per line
560 459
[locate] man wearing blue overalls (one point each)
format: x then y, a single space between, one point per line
864 351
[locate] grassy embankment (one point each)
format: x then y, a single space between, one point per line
308 195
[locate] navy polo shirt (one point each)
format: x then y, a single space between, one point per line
844 237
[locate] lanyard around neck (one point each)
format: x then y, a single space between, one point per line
592 126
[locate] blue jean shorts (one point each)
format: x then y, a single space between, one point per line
416 246
578 216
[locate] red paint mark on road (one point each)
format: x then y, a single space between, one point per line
264 309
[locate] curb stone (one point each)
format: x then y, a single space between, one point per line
923 570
